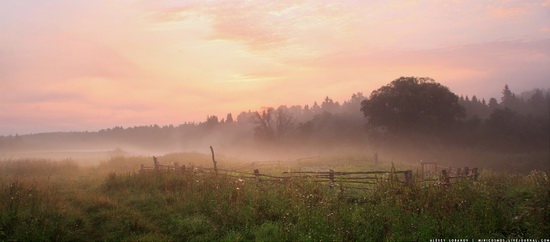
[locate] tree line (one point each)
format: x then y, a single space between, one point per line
409 110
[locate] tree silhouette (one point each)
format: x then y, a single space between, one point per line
229 118
271 124
493 104
211 121
329 105
412 104
509 99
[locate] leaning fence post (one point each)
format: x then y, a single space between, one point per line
408 176
214 161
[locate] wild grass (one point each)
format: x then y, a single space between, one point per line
116 202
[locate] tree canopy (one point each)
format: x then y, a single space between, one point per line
412 104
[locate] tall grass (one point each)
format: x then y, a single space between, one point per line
127 205
218 207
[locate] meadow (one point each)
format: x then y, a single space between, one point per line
59 200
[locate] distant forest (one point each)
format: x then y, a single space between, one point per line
409 111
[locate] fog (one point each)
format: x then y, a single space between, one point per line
465 131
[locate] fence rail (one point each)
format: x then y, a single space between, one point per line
331 177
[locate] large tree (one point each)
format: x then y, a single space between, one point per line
272 124
412 104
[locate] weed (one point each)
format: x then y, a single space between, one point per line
115 203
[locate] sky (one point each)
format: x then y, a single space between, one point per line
70 65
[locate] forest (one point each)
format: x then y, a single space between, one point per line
332 171
411 117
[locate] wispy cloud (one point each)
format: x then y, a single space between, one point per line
134 62
508 11
258 25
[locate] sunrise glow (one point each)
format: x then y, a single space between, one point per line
85 65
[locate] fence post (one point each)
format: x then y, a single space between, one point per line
475 173
445 177
156 163
459 171
408 176
423 173
331 177
142 169
257 174
176 165
466 171
214 161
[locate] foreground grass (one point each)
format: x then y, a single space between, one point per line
65 202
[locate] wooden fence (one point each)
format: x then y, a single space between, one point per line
447 174
352 180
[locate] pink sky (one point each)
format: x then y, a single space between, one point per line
85 65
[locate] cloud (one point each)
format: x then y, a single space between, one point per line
56 63
258 25
139 62
61 80
172 14
507 12
68 56
466 67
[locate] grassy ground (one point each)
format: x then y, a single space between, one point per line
58 200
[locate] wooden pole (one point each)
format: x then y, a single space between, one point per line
156 163
445 177
257 174
214 160
408 176
331 177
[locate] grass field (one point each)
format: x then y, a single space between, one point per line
60 200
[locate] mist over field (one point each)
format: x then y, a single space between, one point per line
410 161
406 121
192 120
